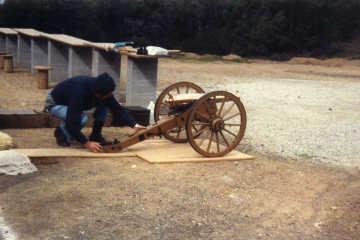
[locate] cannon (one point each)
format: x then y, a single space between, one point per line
213 123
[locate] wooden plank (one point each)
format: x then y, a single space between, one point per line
164 151
23 119
134 55
152 151
8 31
184 97
33 119
66 39
29 32
102 46
69 153
173 51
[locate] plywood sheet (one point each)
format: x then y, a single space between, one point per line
69 152
152 151
164 151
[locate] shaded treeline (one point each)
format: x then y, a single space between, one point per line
244 27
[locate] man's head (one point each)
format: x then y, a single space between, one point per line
104 85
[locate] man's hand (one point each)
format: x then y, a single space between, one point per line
139 127
93 146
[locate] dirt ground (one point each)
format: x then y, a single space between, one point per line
266 198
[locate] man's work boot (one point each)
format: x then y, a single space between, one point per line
61 139
96 135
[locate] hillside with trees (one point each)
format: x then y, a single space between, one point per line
250 28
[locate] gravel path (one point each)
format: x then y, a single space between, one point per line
300 119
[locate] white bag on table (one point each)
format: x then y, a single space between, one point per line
158 51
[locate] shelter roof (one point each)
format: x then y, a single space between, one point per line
73 41
102 46
8 31
28 31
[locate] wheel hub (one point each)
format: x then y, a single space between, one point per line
217 125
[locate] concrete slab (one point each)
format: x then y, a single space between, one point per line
23 56
11 44
28 49
2 42
142 75
58 58
39 52
110 62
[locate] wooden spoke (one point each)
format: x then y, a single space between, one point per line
210 141
201 124
197 134
168 95
162 108
233 124
227 143
231 133
228 110
217 142
226 139
232 116
222 106
206 137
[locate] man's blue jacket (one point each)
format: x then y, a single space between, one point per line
78 94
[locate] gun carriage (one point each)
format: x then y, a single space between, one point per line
213 123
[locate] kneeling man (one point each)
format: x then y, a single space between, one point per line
70 98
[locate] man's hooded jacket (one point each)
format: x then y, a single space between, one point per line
78 94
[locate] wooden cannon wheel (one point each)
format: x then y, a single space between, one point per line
216 123
162 108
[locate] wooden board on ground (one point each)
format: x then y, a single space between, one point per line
69 152
164 151
152 151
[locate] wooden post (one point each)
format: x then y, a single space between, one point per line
2 59
8 63
43 76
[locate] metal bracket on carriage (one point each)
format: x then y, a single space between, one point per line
116 141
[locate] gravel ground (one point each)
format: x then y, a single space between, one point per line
269 198
316 120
